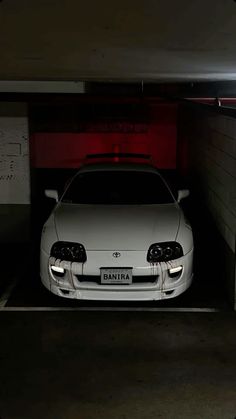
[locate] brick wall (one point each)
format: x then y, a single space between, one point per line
213 158
211 164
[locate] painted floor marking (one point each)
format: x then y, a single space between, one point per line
115 309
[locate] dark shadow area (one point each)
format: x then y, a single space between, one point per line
117 365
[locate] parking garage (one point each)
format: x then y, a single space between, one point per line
46 139
127 82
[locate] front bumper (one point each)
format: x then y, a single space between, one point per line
161 285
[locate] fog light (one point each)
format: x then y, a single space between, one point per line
58 269
175 272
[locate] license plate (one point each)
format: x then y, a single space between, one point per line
116 276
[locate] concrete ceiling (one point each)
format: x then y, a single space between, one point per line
156 40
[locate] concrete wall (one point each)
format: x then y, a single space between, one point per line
210 140
14 173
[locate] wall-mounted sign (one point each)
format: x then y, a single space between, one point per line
14 161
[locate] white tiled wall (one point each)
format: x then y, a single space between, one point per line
213 159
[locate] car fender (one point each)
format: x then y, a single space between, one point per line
49 234
184 235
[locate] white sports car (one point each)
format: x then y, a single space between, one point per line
117 233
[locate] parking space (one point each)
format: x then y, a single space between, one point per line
23 289
160 129
29 293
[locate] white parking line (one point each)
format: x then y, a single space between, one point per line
7 293
116 309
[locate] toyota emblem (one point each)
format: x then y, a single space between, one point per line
116 254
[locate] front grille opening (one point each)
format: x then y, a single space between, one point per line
175 273
135 280
58 274
169 292
65 292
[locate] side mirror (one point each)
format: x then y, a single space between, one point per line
182 193
52 193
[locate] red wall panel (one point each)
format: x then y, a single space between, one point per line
69 150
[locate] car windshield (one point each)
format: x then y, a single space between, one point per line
117 188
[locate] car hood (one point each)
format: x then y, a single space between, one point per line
126 227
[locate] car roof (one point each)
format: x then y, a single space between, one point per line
118 166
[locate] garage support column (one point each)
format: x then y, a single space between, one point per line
14 173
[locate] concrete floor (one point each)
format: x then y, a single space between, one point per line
96 365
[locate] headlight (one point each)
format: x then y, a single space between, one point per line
163 252
72 252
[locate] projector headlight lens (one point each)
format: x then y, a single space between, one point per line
163 252
71 252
